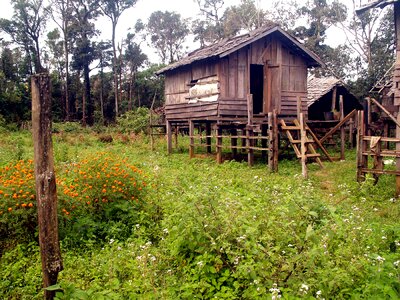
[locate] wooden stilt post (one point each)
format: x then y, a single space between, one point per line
234 142
176 132
249 131
169 136
275 139
45 179
303 139
342 129
218 134
270 143
334 93
398 159
208 137
191 139
249 144
351 134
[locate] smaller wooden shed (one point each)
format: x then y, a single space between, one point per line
323 98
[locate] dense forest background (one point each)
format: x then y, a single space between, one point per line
95 81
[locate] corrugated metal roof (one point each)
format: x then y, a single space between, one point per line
375 4
318 87
227 46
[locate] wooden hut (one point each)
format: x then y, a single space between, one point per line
323 98
213 83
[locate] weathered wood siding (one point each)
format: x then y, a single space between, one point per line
177 85
184 111
294 82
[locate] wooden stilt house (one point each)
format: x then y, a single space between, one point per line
213 82
234 84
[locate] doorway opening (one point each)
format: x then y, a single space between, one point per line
257 87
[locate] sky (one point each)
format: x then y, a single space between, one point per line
144 8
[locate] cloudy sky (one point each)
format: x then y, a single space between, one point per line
143 9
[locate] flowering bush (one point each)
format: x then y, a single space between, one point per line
92 193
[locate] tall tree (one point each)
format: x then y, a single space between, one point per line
135 58
83 30
245 16
113 9
167 33
61 11
211 28
25 28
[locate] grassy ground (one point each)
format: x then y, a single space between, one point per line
222 231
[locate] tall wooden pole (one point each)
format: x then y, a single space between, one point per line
46 193
396 84
303 138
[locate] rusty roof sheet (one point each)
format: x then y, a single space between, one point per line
318 87
374 4
228 46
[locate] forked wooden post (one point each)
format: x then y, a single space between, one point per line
176 132
342 129
45 179
169 136
398 159
191 139
303 140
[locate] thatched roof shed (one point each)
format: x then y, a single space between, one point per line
323 97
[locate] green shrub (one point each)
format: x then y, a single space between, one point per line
136 121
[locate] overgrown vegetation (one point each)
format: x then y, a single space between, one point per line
198 229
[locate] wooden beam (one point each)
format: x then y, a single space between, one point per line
334 92
385 111
249 109
45 179
334 129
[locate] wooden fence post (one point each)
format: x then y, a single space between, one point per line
360 146
303 135
45 179
275 140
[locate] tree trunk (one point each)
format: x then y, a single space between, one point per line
115 71
45 179
88 98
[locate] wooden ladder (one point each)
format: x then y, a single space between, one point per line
294 130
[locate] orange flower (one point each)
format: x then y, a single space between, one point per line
23 204
15 196
30 204
88 203
9 209
1 192
104 191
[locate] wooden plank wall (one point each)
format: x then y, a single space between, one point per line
232 74
183 111
294 82
176 85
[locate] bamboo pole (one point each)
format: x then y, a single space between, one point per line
45 179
